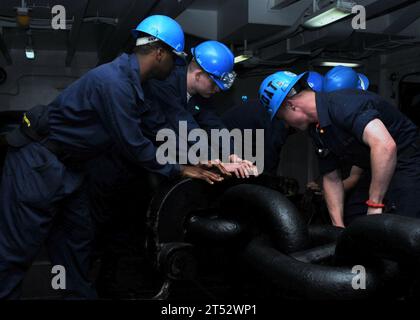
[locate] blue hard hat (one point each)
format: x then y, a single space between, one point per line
315 81
275 88
339 78
162 28
363 82
217 60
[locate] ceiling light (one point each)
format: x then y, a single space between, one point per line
330 14
29 50
244 53
336 63
242 58
30 53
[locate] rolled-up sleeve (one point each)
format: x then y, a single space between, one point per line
354 117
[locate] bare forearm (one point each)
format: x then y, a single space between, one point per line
383 159
334 197
349 183
353 178
383 162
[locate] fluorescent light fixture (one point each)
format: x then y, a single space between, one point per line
335 12
332 62
242 58
245 54
344 64
30 53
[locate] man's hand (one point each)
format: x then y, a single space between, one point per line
199 173
233 158
334 196
215 164
241 168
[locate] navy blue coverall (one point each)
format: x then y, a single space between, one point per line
250 115
171 95
42 199
110 178
168 106
343 116
120 192
113 171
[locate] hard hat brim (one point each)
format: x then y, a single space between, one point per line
182 56
290 86
135 33
223 85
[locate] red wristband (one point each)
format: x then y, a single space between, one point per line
372 204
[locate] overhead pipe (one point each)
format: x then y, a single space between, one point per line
279 36
46 23
410 15
373 10
378 8
281 4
